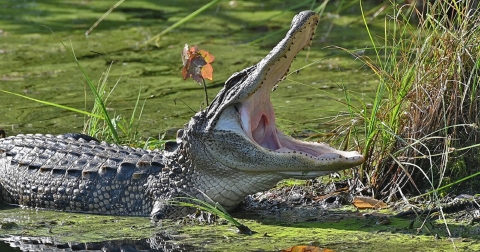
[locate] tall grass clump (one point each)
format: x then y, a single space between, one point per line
421 130
126 129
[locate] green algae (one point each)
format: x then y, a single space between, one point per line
341 230
33 62
74 227
347 235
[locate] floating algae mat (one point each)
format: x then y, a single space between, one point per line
339 230
34 63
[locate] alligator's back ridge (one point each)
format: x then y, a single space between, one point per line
67 172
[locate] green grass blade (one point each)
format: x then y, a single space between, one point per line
368 31
181 21
54 105
216 209
103 17
98 98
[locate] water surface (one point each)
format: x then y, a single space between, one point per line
35 63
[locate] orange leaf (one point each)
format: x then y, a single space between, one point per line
209 58
207 72
196 64
368 203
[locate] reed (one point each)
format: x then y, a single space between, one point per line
420 131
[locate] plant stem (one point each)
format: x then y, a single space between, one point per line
205 90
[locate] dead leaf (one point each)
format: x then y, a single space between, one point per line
368 203
196 64
332 194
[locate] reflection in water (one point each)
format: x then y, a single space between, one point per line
158 242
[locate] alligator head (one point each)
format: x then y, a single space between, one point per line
234 145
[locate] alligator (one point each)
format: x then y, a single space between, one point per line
224 153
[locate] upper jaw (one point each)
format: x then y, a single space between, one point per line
263 76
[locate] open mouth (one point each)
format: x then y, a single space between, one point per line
256 111
258 122
257 118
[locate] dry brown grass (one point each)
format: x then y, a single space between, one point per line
422 127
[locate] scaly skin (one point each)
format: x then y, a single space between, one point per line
224 153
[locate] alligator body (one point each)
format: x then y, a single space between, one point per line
229 150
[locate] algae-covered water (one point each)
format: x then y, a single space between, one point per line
33 62
343 229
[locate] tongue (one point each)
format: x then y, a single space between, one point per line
258 119
265 134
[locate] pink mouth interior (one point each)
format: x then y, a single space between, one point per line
258 120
